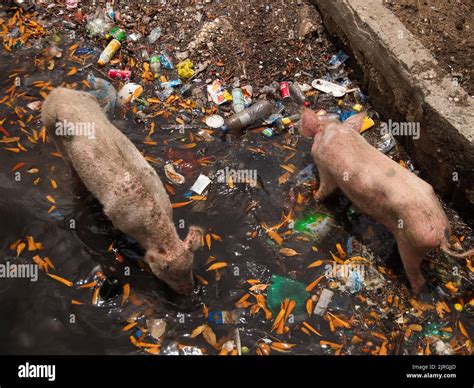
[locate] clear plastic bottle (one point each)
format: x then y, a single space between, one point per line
155 64
258 111
238 102
154 35
298 94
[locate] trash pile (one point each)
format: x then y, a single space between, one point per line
202 94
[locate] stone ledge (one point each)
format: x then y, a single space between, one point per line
405 83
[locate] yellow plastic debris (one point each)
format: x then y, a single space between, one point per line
185 69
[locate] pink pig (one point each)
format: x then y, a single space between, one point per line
380 188
130 190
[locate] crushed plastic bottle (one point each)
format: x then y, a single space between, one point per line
258 111
98 24
297 94
164 93
387 142
323 302
154 35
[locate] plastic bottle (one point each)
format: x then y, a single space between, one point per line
155 64
238 102
258 111
298 94
323 302
109 52
154 35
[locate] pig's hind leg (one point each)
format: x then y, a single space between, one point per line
327 185
412 259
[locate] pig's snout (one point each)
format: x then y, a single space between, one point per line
179 278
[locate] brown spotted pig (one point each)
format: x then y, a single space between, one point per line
380 188
117 174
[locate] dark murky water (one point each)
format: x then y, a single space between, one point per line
36 316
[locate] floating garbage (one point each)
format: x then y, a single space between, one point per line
386 143
306 175
154 35
156 327
129 93
249 116
225 317
155 64
329 87
367 123
298 94
117 33
185 69
109 52
284 288
315 225
218 93
323 302
98 24
201 184
443 348
166 61
337 61
215 121
172 175
122 75
104 91
238 101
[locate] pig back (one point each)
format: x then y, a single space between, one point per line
110 165
380 187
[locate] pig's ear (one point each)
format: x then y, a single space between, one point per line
193 240
311 123
153 257
308 121
355 121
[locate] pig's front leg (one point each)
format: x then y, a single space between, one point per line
327 185
411 259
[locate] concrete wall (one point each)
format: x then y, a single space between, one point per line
406 84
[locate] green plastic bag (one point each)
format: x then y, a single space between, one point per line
283 288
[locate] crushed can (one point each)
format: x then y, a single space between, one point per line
122 75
